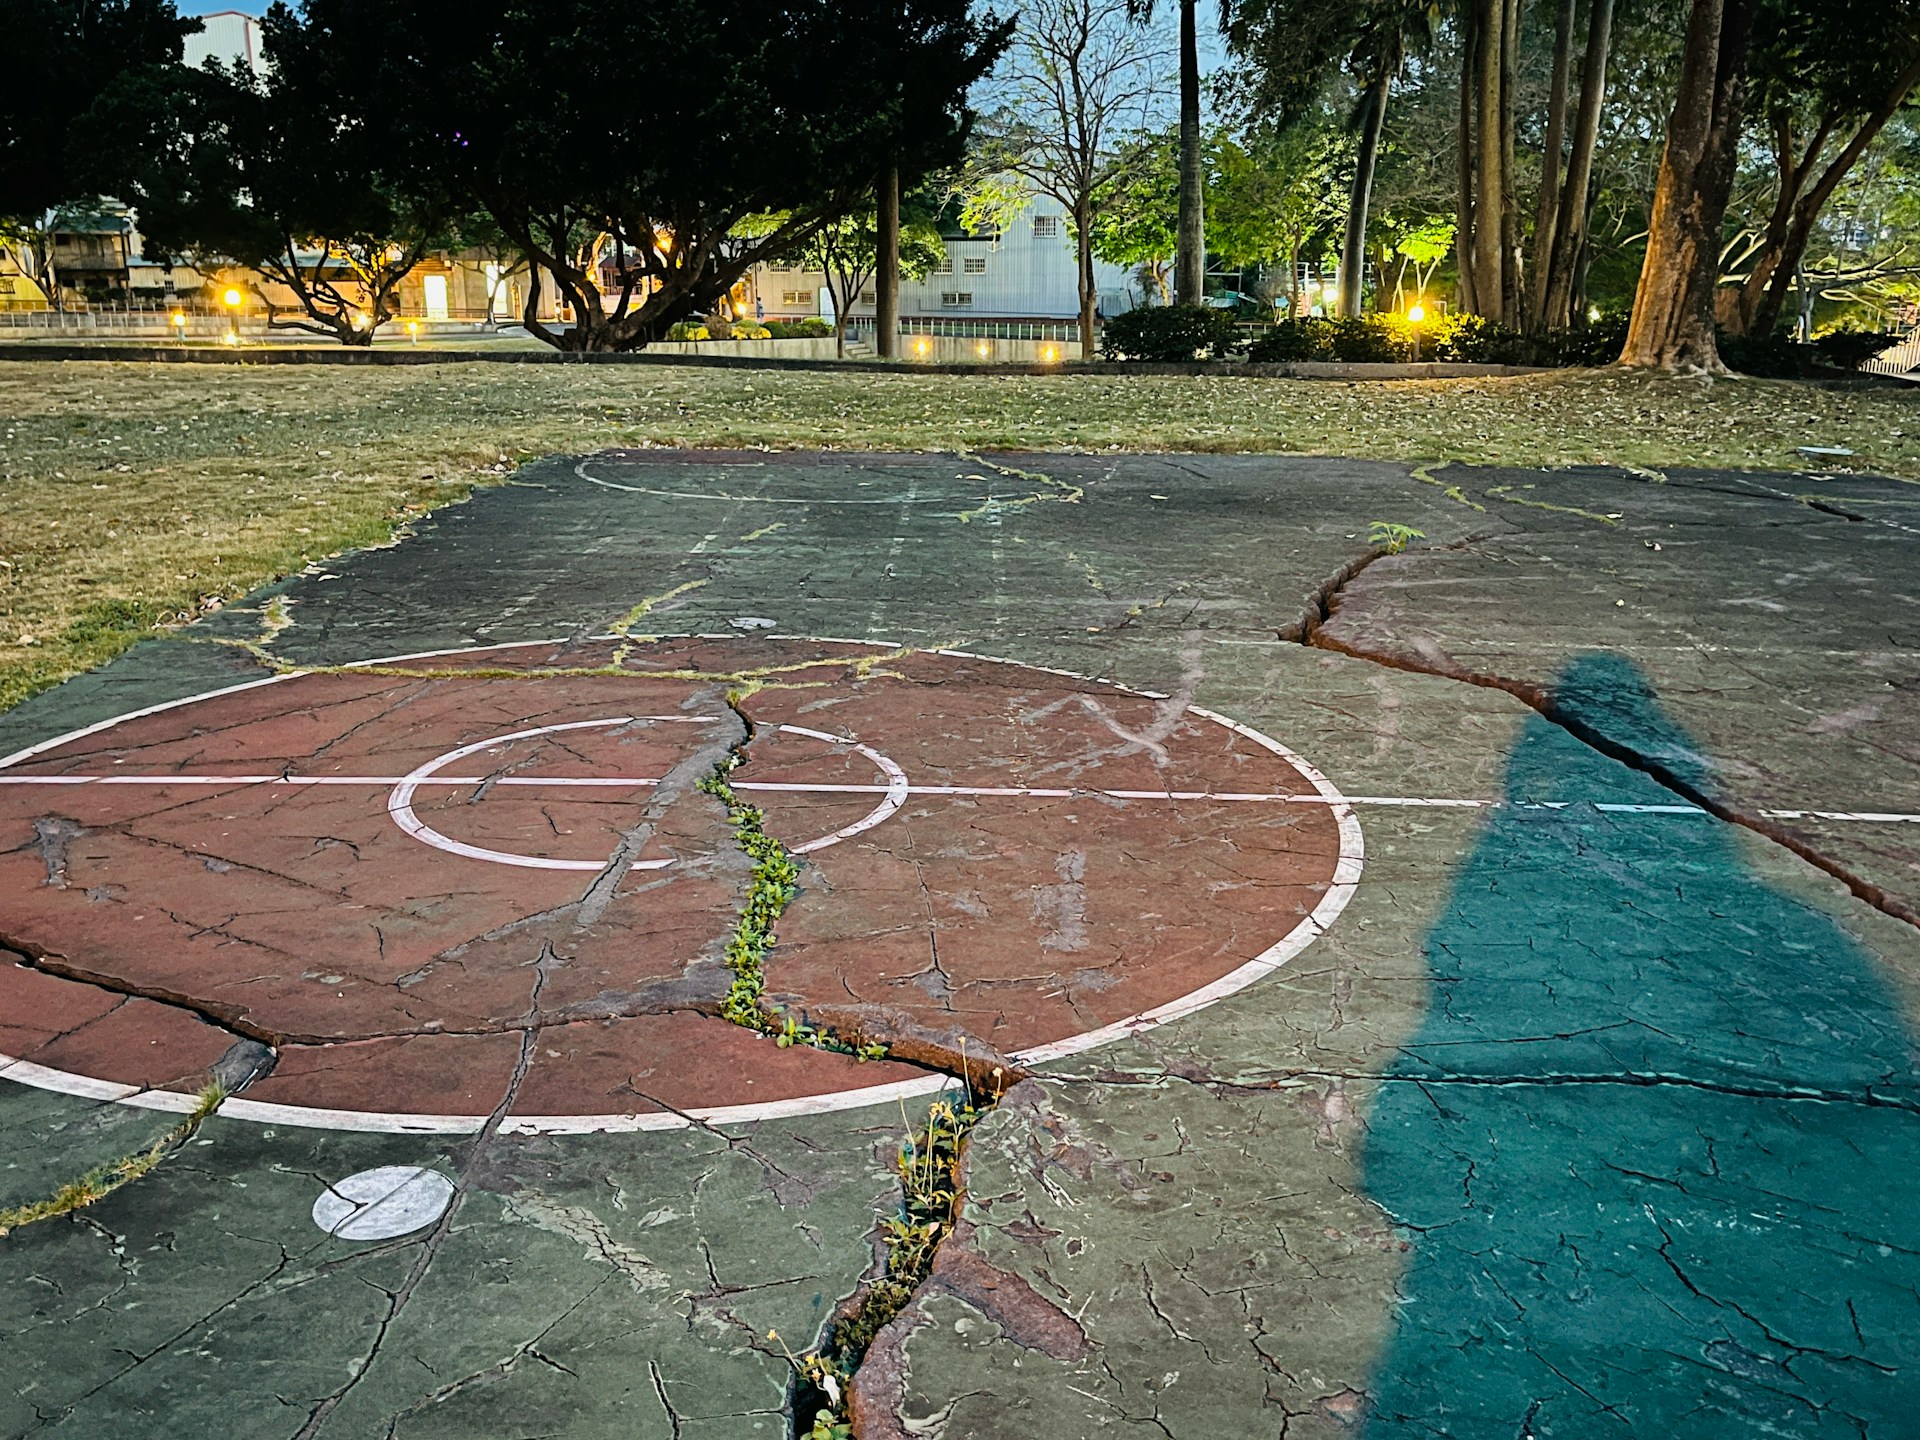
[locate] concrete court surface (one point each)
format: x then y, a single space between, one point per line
1465 992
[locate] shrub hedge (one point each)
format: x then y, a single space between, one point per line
1170 333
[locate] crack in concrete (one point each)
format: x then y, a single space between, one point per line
435 1238
1310 631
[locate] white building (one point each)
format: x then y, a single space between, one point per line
229 36
1025 272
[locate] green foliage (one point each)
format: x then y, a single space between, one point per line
64 58
928 1164
1391 536
1136 209
621 147
811 328
774 883
1169 333
101 1181
1845 347
1369 339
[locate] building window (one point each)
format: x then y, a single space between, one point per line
1046 227
976 264
945 267
866 297
956 299
796 297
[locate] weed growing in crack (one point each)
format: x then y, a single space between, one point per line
101 1181
773 886
1391 536
929 1167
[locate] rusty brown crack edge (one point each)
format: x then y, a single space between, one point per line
1025 1317
1310 631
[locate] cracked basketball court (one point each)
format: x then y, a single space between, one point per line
1468 991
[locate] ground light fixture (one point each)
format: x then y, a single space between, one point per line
413 331
922 348
983 350
1049 354
1416 315
233 299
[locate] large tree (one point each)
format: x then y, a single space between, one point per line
270 174
1293 47
1673 308
63 57
622 148
1827 78
1080 80
849 255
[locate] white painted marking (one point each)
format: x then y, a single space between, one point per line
400 801
892 788
581 471
382 1203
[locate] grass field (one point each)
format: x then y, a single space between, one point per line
140 495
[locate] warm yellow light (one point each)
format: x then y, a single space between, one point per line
178 318
1593 313
233 297
983 350
413 326
229 339
1416 313
1049 354
921 347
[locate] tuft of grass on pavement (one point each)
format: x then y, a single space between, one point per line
140 495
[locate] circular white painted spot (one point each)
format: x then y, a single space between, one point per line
382 1203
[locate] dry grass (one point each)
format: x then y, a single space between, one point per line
140 495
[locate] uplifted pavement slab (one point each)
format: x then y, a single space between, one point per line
1398 1060
1777 616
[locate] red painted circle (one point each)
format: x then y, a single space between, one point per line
186 862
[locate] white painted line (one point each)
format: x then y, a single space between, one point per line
898 785
400 803
581 471
400 800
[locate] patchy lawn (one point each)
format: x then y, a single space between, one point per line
141 495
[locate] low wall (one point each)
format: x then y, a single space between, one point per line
812 348
725 355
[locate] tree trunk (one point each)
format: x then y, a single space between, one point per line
1774 267
1511 298
1672 327
1190 262
1490 251
886 310
1547 211
1472 37
1353 253
1083 254
1576 204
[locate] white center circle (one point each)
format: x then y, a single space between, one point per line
382 1203
400 798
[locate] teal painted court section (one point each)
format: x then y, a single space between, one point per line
1657 1141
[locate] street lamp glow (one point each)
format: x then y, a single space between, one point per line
983 349
1416 312
233 298
1049 354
